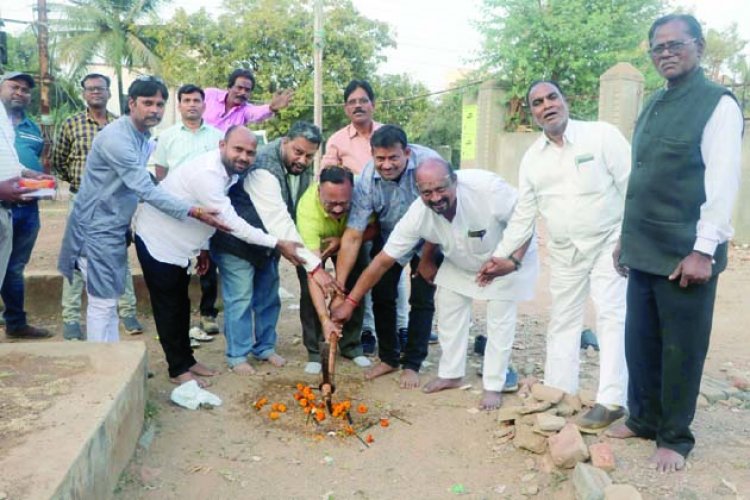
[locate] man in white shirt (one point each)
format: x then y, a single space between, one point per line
180 143
464 213
166 245
575 177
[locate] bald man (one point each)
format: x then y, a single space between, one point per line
465 214
165 246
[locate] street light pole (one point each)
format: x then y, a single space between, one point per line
44 81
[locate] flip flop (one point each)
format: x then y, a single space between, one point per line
199 335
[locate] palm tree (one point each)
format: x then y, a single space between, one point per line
110 31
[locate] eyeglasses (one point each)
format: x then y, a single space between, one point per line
149 78
361 101
95 90
674 47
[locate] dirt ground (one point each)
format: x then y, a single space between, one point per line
436 446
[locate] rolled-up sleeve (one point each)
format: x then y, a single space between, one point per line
265 193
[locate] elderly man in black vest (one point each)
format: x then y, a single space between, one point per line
677 221
249 274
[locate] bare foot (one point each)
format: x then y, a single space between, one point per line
202 370
187 377
667 460
409 379
491 400
243 369
379 370
620 431
276 360
440 384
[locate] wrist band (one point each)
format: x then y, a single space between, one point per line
197 212
349 299
317 268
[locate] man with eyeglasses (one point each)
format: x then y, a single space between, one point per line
114 181
69 153
350 147
322 213
686 173
249 274
574 175
464 213
224 109
15 96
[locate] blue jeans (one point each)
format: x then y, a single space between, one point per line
249 318
25 230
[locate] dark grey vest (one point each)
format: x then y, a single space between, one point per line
666 186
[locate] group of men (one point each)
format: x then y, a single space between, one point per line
643 232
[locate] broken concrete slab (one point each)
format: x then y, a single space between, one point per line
527 439
621 492
545 393
602 456
590 482
88 426
567 447
549 423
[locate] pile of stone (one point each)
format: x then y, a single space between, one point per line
543 425
734 392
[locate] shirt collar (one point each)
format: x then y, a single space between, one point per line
352 131
185 127
90 118
569 136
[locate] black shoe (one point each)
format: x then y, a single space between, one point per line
600 417
27 332
368 343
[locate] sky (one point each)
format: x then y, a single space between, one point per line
436 38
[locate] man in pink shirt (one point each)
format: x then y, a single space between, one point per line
350 146
225 108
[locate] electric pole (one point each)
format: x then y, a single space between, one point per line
44 81
318 73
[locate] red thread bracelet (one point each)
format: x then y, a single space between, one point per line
349 299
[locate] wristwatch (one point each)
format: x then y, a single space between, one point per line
515 261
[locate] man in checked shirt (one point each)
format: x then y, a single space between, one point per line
72 146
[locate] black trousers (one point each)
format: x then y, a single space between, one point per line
168 288
209 291
350 344
421 301
667 330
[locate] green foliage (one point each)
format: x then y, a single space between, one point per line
723 55
275 40
112 31
571 41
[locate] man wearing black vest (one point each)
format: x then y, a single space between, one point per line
249 274
677 221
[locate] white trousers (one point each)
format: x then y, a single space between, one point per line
102 323
570 286
454 319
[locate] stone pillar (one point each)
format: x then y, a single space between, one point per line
490 123
621 97
469 111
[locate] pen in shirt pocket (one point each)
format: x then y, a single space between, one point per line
581 159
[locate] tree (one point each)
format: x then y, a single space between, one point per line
111 31
571 41
723 55
274 39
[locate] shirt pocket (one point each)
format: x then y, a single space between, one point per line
478 242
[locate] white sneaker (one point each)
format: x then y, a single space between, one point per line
362 361
194 344
313 368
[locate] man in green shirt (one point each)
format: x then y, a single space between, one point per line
322 213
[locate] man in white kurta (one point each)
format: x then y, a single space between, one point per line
575 176
465 213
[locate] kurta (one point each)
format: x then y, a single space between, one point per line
484 204
115 178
